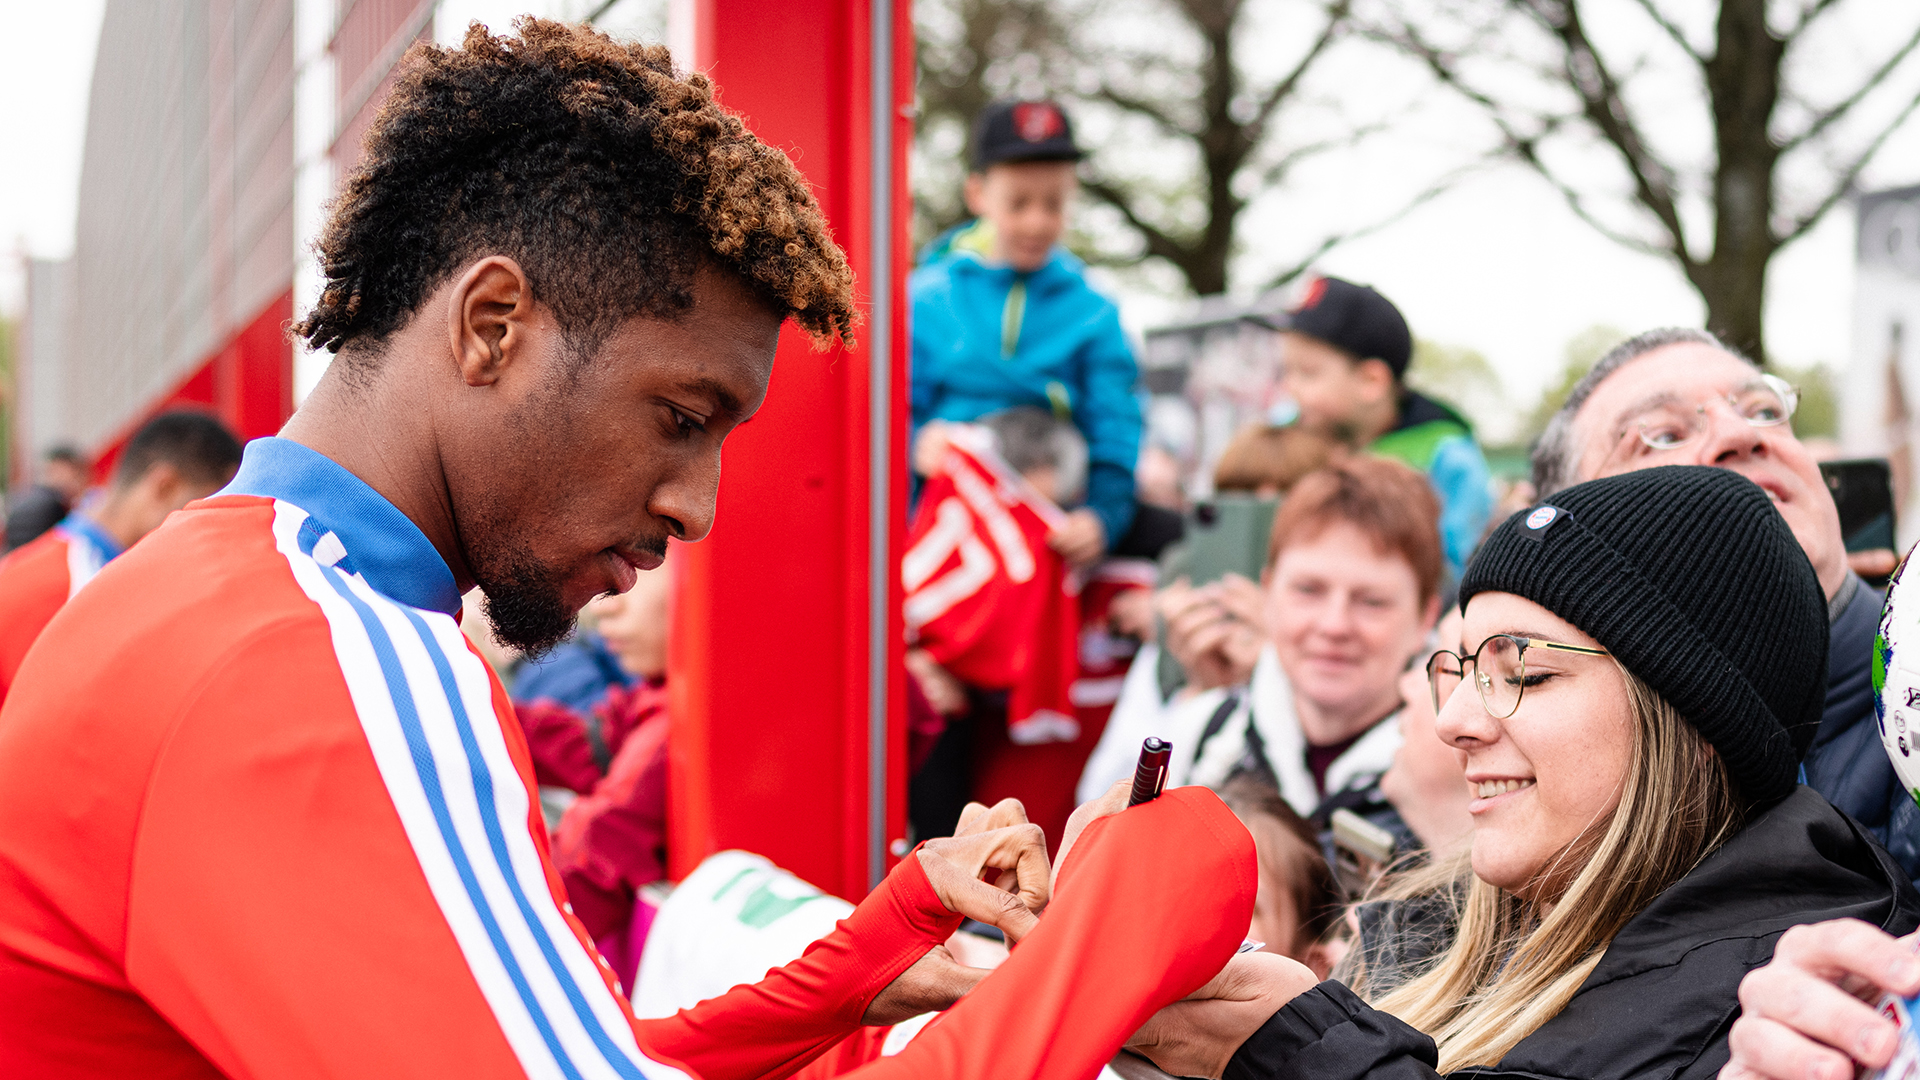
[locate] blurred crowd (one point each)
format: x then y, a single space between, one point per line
1341 637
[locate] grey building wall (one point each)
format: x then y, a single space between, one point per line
185 225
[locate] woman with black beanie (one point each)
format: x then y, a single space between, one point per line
1643 661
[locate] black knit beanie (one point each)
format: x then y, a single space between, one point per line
1691 579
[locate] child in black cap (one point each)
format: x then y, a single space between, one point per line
1642 662
1003 316
1345 355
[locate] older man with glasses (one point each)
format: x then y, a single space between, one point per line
1681 397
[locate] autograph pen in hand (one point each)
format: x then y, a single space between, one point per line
1150 776
1150 779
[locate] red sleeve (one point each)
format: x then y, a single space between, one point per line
771 1028
33 588
557 742
1150 904
613 841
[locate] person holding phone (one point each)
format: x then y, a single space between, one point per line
1679 396
1348 597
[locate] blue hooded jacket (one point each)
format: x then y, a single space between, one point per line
987 337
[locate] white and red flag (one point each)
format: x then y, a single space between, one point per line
986 596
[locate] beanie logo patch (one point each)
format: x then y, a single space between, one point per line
1539 521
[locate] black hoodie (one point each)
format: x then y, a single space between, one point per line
1662 998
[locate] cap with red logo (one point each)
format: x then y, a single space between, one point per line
1351 317
1007 131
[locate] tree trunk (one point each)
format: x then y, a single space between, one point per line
1735 295
1743 86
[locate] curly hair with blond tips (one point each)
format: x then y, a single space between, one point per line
611 179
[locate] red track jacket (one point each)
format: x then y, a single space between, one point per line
264 813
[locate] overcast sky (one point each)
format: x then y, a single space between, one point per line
1499 264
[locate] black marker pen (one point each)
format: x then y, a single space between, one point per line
1150 776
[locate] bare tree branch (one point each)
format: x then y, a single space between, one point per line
1578 204
1159 243
1839 110
1606 108
1809 12
1848 176
1333 240
1672 29
1149 109
1337 13
1277 171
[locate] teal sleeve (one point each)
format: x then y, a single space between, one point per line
1108 414
921 384
1460 476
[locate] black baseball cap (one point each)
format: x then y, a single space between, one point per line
1352 317
1022 131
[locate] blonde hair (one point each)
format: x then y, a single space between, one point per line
1510 969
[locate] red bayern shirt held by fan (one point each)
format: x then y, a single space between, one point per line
998 608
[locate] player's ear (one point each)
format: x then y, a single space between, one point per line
489 319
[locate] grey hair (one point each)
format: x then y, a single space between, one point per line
1555 457
1033 438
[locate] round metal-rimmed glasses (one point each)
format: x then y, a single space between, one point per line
1766 401
1499 671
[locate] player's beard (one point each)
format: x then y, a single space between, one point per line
524 597
524 605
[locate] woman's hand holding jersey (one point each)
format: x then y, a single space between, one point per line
1197 1036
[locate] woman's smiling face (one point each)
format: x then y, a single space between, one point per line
1557 766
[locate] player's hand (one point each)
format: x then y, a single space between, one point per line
1081 539
987 838
1802 1014
934 982
1198 1036
997 843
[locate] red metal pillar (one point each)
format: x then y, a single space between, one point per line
787 700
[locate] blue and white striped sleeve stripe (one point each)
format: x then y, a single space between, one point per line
426 706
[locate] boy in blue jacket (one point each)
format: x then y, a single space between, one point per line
1003 316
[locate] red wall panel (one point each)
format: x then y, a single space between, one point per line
248 384
772 664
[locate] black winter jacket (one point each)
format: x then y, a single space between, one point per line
1660 1001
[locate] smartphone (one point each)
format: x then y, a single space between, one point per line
1228 534
1863 493
1361 850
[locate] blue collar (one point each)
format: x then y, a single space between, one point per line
84 527
383 545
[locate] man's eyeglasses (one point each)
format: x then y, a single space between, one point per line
1499 671
1766 402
